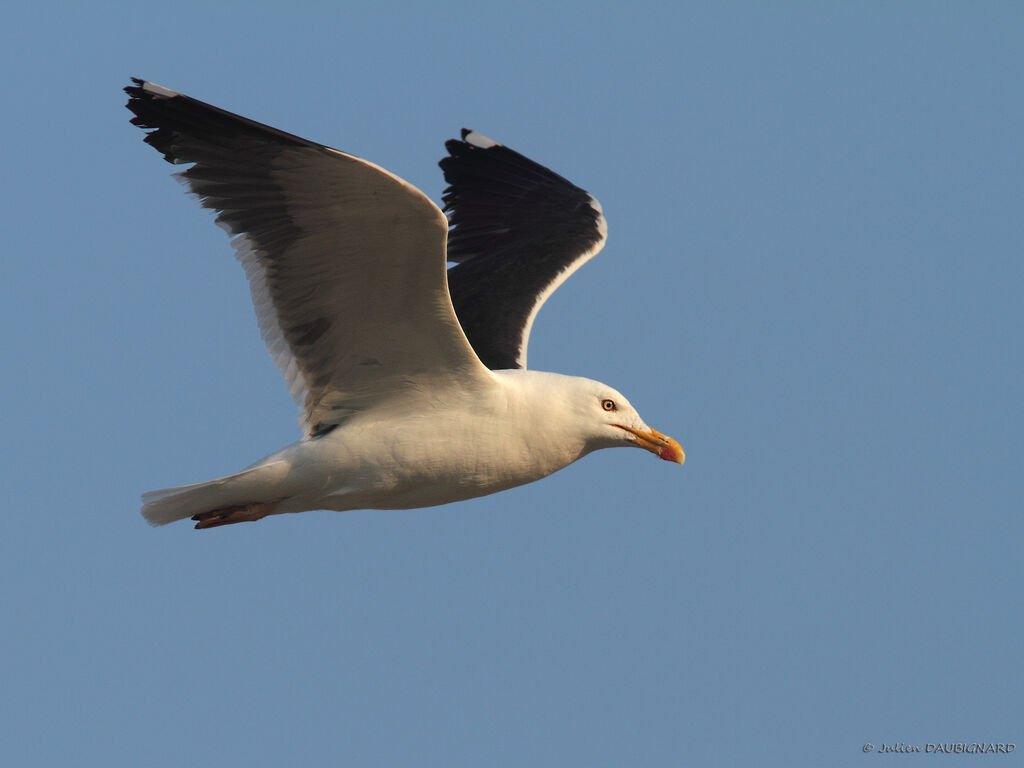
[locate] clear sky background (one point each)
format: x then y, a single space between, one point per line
813 280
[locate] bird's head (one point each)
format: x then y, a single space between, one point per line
613 421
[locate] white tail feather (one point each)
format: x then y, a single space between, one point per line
248 486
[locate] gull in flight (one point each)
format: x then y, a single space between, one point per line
411 376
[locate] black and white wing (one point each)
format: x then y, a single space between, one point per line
518 230
346 261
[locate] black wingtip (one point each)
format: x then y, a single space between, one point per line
176 124
137 90
134 91
142 104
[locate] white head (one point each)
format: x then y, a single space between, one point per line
578 410
615 422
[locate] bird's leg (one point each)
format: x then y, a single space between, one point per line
244 513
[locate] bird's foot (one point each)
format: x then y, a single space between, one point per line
245 513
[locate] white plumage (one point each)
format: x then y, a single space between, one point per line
346 263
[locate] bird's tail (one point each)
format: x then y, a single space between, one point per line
248 487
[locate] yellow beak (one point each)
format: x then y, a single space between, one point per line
655 442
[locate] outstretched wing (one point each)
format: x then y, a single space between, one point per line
518 230
346 261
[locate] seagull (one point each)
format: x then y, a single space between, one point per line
411 375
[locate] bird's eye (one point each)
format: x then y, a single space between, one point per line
608 405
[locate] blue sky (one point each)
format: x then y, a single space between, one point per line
813 280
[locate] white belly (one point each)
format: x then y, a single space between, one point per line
425 462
